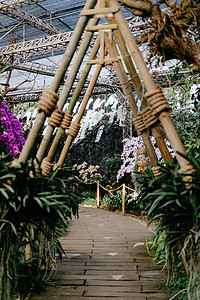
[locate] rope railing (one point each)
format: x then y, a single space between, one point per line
123 186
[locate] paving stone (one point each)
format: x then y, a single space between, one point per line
101 262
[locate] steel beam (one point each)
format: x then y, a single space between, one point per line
17 3
38 47
29 19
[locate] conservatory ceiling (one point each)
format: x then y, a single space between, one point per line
34 35
36 27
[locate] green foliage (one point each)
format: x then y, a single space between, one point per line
180 283
173 200
112 166
155 249
114 199
186 123
88 198
35 210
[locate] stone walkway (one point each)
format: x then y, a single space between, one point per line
101 262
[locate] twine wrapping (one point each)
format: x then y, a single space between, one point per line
36 171
56 118
66 121
47 102
73 129
157 101
148 117
46 167
156 171
139 124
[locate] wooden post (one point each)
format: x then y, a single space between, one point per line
98 194
40 118
123 198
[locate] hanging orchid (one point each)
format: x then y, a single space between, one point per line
11 130
129 154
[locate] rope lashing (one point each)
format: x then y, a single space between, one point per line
47 102
56 118
46 167
187 169
156 171
157 101
36 171
74 129
139 124
66 121
148 117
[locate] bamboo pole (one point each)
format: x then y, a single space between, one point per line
66 90
98 194
40 118
126 87
80 114
28 251
61 131
138 87
123 198
150 85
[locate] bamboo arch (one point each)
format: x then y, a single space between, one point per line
116 46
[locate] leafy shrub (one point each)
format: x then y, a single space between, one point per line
33 210
176 205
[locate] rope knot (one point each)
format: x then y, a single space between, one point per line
56 118
46 167
66 121
148 117
157 101
73 129
47 102
157 171
139 124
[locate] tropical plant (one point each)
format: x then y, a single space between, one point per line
114 199
33 211
169 33
175 203
112 165
87 174
11 130
129 155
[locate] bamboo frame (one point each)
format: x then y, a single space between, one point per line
74 98
80 114
149 85
138 87
67 87
40 118
126 87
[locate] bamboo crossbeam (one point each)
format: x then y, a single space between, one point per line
104 61
150 85
100 11
101 27
40 118
80 114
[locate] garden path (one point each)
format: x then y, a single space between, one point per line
101 262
